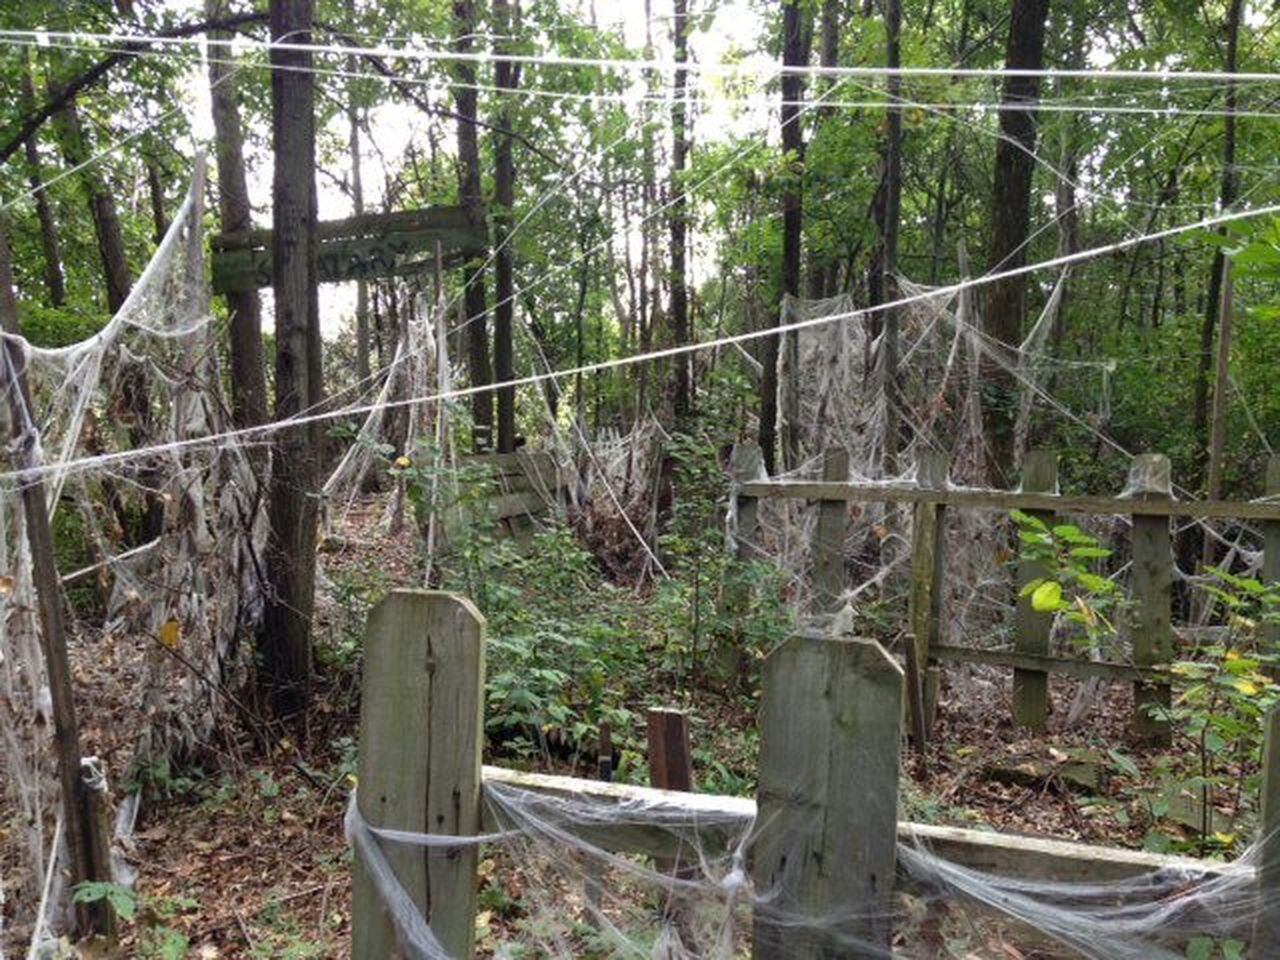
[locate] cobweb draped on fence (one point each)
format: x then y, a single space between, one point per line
171 578
562 890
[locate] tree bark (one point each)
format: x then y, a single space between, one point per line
248 368
795 52
49 246
88 847
1005 304
155 191
286 630
507 76
885 288
1227 196
469 192
102 206
357 208
679 211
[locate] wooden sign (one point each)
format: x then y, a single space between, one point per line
357 248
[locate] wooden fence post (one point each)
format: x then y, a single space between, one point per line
927 576
420 738
828 540
1152 588
827 802
1266 928
746 464
1271 552
669 765
1030 706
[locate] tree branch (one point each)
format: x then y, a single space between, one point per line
70 91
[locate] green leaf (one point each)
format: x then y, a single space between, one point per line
1090 553
1031 587
1047 597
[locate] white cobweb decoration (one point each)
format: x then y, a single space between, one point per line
174 527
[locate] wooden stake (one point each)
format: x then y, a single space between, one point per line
1271 551
1152 589
927 577
669 765
1266 933
87 845
828 541
420 737
1030 705
827 800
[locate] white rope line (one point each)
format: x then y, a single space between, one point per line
664 353
727 96
719 68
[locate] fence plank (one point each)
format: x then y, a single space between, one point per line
927 575
1266 934
420 738
828 540
669 765
1151 585
746 465
827 799
1031 630
1046 663
1271 548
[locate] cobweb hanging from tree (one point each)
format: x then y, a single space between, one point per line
172 582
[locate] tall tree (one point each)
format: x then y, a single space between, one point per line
88 846
883 285
248 369
469 192
1005 305
680 209
357 208
102 205
507 76
285 639
1226 197
53 277
796 39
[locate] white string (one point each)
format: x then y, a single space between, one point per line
660 354
728 96
716 67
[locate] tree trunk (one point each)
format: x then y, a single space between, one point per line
885 287
286 628
795 52
102 207
679 211
155 191
88 846
248 368
469 192
357 208
1005 304
507 75
49 246
1200 406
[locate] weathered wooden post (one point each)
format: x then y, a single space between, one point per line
1271 550
420 738
1031 630
828 540
670 766
746 464
926 576
827 802
1151 626
1266 929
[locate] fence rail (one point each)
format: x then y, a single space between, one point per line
1149 502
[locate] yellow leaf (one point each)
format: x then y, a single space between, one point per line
170 633
1047 597
1226 839
1247 687
404 463
6 586
1233 655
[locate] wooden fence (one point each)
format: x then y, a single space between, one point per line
830 733
1149 501
525 484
